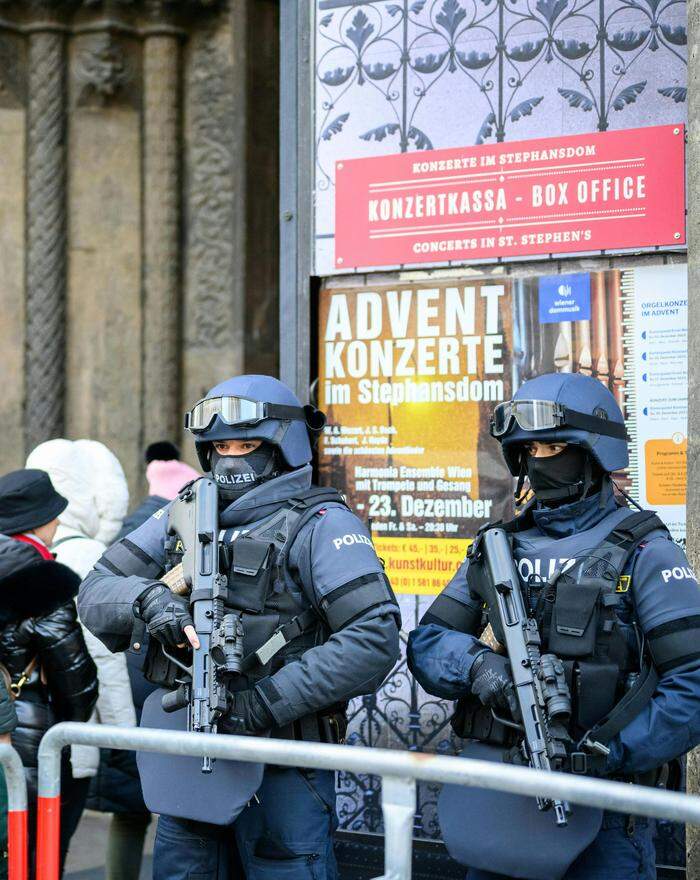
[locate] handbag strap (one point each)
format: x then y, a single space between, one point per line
68 538
16 686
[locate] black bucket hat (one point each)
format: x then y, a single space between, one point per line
28 500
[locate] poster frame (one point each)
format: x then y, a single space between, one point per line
295 202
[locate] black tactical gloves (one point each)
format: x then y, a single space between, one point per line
165 614
492 683
248 713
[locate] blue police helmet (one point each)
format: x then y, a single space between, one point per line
583 394
290 436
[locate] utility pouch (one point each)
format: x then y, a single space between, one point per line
574 623
158 669
250 574
333 728
595 692
471 720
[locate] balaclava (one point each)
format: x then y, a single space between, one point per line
564 477
237 474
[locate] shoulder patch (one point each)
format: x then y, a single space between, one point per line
350 539
159 513
678 573
624 583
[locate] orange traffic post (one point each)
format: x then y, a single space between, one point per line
17 868
16 785
48 824
48 831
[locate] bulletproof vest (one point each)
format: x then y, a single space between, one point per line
279 620
579 609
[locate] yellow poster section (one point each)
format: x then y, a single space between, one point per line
409 374
666 470
420 565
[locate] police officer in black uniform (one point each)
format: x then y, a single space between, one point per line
321 626
615 600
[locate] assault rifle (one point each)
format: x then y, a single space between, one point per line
193 531
540 686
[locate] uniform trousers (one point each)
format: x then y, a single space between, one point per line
284 833
623 850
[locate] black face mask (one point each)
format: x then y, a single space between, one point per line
563 477
237 474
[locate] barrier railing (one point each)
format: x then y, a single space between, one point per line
16 786
399 772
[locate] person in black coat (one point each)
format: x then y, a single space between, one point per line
8 722
41 642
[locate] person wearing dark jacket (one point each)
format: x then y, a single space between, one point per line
8 722
319 588
41 642
8 713
613 611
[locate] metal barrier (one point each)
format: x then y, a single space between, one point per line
399 772
16 785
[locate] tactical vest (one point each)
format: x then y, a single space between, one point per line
280 623
576 609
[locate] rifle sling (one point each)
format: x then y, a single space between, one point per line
628 708
303 509
281 637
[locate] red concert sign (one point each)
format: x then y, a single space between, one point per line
603 191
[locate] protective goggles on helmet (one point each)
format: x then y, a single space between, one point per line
238 411
546 415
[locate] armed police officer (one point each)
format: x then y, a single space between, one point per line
618 615
320 624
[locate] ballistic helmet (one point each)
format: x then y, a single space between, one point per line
255 408
562 408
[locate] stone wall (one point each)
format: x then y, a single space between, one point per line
138 215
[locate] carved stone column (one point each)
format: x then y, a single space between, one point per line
13 133
161 215
46 236
214 210
104 298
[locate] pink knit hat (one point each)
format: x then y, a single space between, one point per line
166 478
